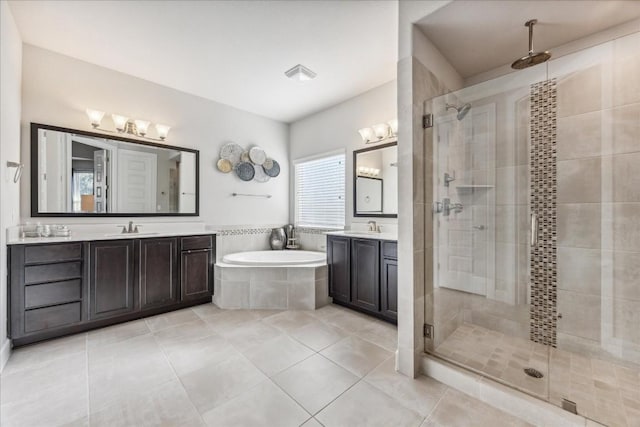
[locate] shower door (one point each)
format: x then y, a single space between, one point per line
536 222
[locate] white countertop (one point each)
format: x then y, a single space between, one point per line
91 232
365 235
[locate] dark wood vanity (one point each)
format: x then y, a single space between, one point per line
57 289
363 275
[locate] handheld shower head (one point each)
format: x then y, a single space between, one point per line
462 111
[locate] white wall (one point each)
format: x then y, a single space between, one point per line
57 89
337 128
10 82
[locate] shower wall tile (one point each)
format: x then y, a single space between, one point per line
626 176
626 275
506 185
626 227
579 181
580 314
579 225
580 136
506 223
580 92
579 270
626 318
624 123
626 70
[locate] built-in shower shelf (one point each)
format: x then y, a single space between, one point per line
471 186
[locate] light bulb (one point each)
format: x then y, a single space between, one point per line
163 131
142 126
95 117
366 134
393 124
120 122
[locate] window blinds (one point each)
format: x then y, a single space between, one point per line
320 188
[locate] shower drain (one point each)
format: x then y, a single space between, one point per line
533 373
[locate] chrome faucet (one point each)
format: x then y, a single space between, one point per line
373 226
129 230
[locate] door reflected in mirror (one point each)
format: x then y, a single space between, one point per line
375 171
80 173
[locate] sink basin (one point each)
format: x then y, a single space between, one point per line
365 233
129 234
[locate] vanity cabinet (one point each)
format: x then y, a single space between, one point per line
57 289
363 275
158 274
111 283
339 268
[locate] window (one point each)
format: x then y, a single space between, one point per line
320 186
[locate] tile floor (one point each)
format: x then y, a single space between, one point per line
206 366
603 391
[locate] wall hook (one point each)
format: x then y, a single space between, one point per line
18 167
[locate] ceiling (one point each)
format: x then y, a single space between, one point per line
477 36
233 52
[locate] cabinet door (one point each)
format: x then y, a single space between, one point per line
365 274
158 272
339 263
196 280
112 276
389 288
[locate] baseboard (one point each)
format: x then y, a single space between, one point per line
511 401
5 352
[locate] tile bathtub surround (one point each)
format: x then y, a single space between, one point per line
293 288
206 366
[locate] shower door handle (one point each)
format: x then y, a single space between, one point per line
534 229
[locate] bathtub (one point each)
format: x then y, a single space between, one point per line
282 280
280 258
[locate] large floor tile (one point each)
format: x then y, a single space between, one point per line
318 335
420 394
315 382
173 318
277 354
167 405
31 356
213 385
263 405
205 310
356 355
175 336
195 354
124 371
365 405
250 334
117 333
456 409
227 319
289 321
380 333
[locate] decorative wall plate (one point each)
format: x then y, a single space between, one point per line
274 170
224 165
245 171
244 157
231 152
268 163
257 155
261 175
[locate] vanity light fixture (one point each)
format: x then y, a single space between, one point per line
124 124
380 132
368 172
300 73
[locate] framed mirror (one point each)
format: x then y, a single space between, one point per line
375 181
78 173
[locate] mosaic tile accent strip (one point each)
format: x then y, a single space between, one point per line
244 231
544 185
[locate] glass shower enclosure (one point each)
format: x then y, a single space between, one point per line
536 225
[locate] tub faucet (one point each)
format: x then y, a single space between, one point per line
130 229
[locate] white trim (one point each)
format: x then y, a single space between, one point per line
5 354
321 155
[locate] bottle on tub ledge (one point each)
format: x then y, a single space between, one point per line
278 239
291 237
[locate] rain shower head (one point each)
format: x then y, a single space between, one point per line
532 58
462 111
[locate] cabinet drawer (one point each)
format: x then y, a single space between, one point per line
52 317
196 242
52 272
390 249
52 253
52 293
